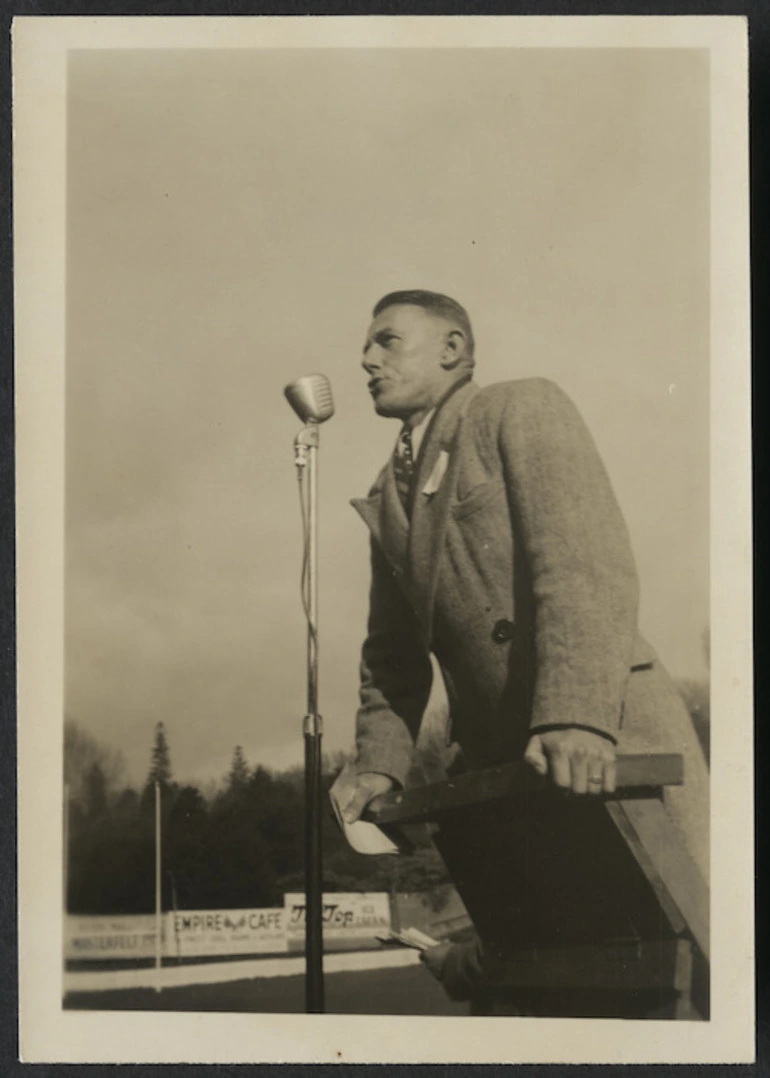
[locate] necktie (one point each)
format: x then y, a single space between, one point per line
403 466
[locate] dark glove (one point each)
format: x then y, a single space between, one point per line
457 966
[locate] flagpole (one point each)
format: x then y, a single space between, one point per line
66 844
158 924
65 872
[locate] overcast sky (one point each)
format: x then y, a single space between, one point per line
232 218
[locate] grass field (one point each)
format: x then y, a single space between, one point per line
409 990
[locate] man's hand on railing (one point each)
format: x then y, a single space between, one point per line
577 760
354 792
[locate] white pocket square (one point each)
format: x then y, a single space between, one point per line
434 481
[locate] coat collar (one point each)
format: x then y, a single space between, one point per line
410 548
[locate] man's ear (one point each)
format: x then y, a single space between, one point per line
454 349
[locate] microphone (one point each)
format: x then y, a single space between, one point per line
311 398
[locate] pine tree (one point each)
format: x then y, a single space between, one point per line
160 760
239 771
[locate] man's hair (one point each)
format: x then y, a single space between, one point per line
443 306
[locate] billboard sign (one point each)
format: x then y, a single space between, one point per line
191 933
99 939
350 919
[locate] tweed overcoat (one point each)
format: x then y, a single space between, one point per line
515 570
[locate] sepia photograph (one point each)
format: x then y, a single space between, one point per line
383 452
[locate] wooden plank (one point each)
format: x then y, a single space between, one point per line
631 839
662 855
636 775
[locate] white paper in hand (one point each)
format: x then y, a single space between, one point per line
363 836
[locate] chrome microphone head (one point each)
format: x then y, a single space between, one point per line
311 398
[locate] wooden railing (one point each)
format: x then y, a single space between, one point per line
637 776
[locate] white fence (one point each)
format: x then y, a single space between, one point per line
351 921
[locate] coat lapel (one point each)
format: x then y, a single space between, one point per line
384 515
430 510
412 548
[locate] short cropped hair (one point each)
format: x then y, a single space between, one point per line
443 306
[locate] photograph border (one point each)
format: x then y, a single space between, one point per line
50 1034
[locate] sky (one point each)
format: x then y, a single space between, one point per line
232 217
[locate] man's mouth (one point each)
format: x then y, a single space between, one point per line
373 384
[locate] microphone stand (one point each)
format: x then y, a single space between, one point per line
306 448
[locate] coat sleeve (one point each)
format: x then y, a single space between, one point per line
577 545
396 678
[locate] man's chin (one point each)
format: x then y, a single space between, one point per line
388 411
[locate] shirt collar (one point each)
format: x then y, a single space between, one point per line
418 432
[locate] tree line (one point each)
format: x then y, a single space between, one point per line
237 844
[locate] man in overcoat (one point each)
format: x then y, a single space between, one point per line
498 546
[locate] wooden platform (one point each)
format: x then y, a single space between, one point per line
584 905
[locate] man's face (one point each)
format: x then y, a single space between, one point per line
403 358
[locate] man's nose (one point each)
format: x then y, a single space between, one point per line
370 361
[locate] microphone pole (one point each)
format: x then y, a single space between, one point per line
311 399
306 449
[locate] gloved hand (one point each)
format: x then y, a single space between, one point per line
457 966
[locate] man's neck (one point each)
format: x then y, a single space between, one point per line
414 419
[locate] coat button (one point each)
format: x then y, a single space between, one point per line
503 631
